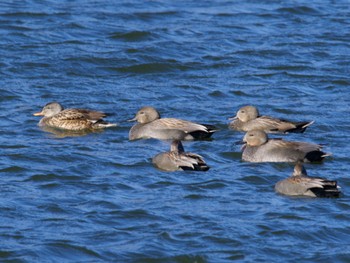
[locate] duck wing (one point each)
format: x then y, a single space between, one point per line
78 114
298 146
188 161
172 123
90 114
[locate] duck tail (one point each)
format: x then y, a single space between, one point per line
316 156
101 124
201 167
307 124
326 155
330 189
210 128
196 167
300 126
200 135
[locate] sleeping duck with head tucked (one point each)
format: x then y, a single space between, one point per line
55 116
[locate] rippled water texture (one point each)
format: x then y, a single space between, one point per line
97 198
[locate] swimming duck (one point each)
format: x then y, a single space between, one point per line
179 160
151 125
56 116
248 118
299 184
259 148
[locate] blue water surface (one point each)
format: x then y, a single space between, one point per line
97 197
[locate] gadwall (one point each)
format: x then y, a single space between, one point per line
56 116
179 160
248 118
259 148
300 184
150 125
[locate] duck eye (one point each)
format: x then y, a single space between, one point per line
142 112
242 111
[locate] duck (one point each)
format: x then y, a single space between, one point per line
179 160
55 116
151 125
259 148
248 118
300 184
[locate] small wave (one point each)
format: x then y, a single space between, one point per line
13 169
64 250
24 14
132 36
52 177
153 67
152 15
211 184
305 10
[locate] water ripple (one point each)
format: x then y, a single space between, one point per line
96 197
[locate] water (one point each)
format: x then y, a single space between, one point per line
97 198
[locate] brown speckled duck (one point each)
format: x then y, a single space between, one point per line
248 118
71 119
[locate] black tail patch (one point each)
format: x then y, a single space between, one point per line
199 135
315 156
200 167
328 190
300 127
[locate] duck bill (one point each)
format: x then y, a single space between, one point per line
233 118
131 120
240 142
38 114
